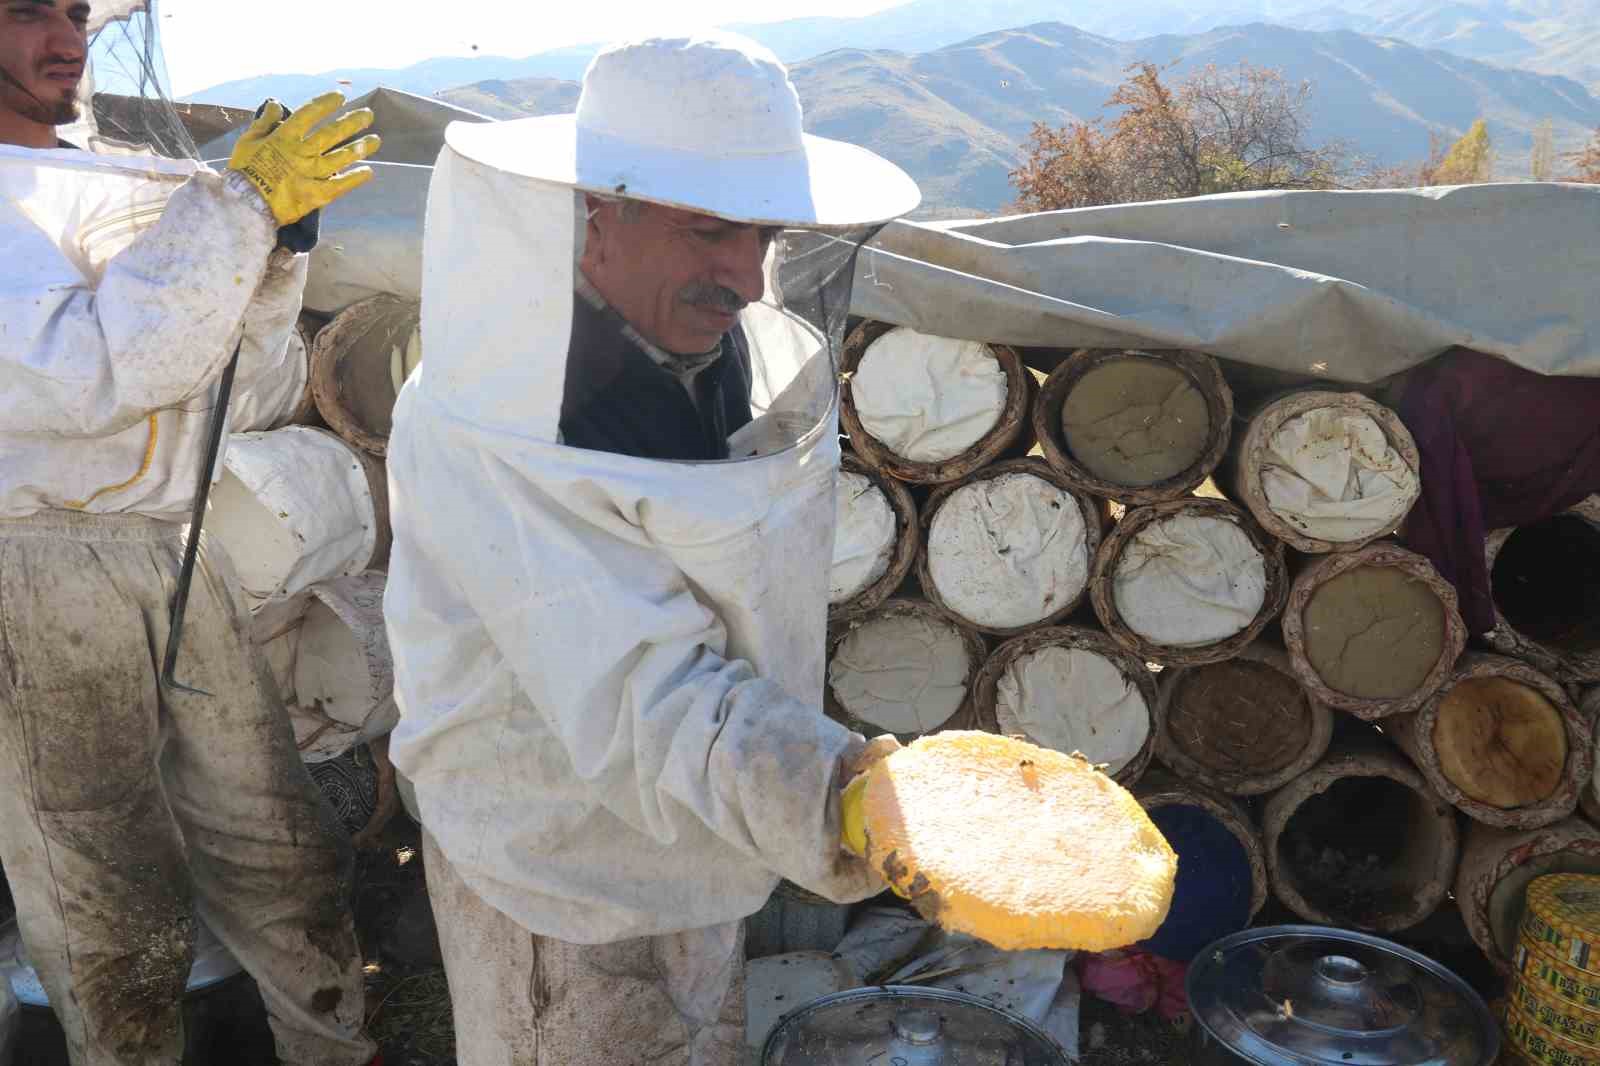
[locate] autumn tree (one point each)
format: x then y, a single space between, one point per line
1219 130
1470 160
1586 162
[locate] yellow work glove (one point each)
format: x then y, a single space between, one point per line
852 802
297 170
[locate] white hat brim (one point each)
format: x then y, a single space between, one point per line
826 185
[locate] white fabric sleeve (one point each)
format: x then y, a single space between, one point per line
627 668
82 361
268 321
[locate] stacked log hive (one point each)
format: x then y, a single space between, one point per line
1222 653
1074 690
1546 587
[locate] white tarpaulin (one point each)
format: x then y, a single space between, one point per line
1350 286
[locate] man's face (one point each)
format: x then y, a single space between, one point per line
677 277
43 46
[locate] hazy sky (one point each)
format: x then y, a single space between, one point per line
212 41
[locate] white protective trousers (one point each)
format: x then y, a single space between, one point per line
127 808
521 999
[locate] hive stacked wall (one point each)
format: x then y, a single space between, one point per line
1255 687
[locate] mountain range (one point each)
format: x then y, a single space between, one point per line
1545 36
955 117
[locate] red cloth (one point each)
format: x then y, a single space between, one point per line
1501 446
1137 981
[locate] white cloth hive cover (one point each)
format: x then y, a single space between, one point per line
343 672
903 673
1332 474
293 508
1008 551
926 398
1073 700
1189 580
865 537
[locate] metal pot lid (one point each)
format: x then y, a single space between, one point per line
907 1026
1302 995
213 964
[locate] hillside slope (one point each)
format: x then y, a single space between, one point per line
955 117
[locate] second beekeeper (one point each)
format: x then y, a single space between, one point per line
612 481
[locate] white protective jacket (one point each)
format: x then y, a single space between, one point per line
609 669
123 285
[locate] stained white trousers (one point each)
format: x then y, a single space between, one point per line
125 809
527 1000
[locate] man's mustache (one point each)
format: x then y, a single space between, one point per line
713 297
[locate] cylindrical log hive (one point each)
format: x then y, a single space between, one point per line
1244 726
1326 471
1138 427
1222 871
1187 582
1502 742
902 668
358 363
297 506
343 671
1360 841
1497 866
1073 690
927 409
875 542
1008 548
1374 631
1546 586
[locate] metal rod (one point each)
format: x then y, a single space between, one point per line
202 495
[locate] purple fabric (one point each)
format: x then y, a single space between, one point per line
1501 446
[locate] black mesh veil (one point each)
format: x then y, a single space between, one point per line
125 105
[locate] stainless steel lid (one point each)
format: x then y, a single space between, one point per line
1298 995
908 1027
213 964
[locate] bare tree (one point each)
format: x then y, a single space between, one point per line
1543 164
1219 130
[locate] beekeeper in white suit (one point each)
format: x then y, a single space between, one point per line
613 481
126 806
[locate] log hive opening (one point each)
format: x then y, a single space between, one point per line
1245 726
298 506
1545 580
1008 547
1502 742
343 675
358 363
1327 471
1360 841
902 668
1187 582
1139 427
1374 631
1072 690
875 540
1222 873
1497 865
928 409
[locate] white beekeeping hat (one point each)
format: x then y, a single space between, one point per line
708 123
